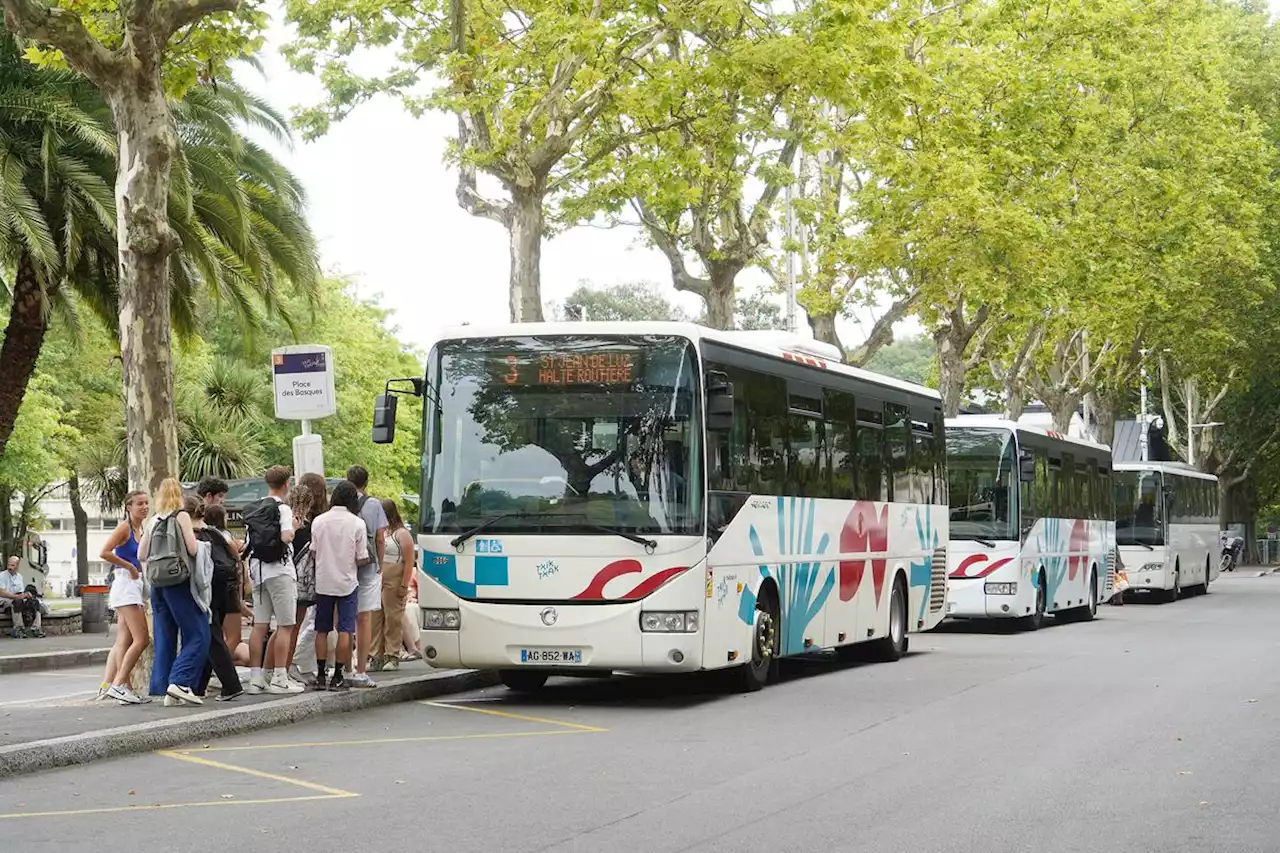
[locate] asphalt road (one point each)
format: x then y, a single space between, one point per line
1153 728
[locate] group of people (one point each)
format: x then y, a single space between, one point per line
311 563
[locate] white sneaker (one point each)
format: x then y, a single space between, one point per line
214 681
170 702
123 695
256 686
184 693
279 686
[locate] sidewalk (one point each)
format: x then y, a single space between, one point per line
54 652
59 730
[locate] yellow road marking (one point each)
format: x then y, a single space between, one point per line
205 762
510 716
155 807
381 740
323 792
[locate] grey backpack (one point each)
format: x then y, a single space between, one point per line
168 563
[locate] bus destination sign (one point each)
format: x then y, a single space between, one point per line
615 367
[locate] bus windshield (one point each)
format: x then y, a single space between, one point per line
982 471
564 434
1139 519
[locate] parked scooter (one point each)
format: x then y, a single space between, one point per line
1232 549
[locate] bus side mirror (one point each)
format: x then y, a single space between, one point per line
384 419
719 402
1027 469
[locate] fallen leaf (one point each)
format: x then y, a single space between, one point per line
133 793
1179 740
1253 701
399 781
1184 772
1204 802
228 796
293 767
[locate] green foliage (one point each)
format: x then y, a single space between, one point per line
41 438
642 300
199 52
908 358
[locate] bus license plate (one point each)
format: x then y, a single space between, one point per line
554 656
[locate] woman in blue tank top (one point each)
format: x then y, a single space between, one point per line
121 552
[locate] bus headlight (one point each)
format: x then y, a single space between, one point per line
685 622
1152 567
441 620
1001 588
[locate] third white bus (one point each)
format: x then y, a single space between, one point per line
1167 527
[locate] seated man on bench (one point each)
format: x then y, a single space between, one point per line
24 605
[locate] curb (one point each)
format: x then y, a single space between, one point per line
24 758
53 660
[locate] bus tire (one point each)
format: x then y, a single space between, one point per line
766 635
1172 595
1204 590
1088 611
1036 619
892 646
522 680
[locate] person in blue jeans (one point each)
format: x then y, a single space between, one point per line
175 613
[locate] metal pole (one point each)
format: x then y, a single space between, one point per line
1142 410
791 263
306 427
1191 428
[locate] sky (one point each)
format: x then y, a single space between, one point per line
382 204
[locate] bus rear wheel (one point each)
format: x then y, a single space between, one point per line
1036 619
894 645
1088 611
756 672
523 680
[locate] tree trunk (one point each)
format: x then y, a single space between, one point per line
147 143
82 529
824 329
526 225
720 295
7 548
1014 402
951 371
1062 409
23 338
1104 412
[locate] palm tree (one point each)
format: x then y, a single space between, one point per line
238 212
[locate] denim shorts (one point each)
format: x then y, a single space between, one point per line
345 605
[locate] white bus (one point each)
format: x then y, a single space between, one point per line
661 497
1167 527
1032 529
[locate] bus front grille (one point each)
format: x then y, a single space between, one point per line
938 580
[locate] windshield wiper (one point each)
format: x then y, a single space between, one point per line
465 535
1143 544
981 541
649 544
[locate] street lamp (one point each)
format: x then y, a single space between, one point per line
1191 443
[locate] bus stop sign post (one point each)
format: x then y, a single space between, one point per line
304 391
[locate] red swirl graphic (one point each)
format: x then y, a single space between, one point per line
618 568
863 531
962 571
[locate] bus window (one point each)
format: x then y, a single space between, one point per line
839 431
921 461
806 468
869 440
897 434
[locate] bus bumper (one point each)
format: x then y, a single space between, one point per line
586 637
968 599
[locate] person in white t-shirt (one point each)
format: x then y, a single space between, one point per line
275 594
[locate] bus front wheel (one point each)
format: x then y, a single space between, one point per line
1036 619
756 672
1088 611
523 680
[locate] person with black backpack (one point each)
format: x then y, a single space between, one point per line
269 525
225 598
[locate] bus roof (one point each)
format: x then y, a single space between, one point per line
1001 422
775 343
1180 468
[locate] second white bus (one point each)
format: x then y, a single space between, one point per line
1032 529
1167 527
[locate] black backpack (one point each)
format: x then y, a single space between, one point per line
224 561
262 521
